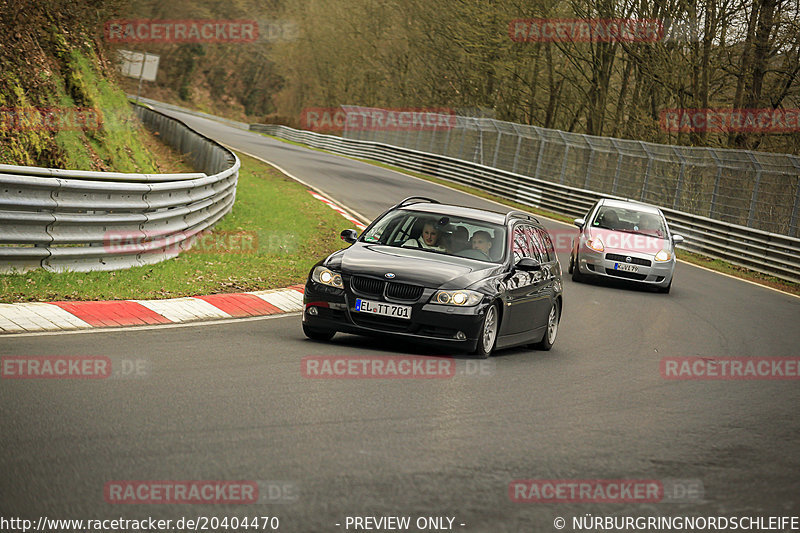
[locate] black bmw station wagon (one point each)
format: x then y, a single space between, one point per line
457 277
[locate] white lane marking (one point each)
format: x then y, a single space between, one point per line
338 209
183 309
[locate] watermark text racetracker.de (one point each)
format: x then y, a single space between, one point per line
191 241
204 492
180 31
392 367
730 120
602 30
644 243
730 368
50 119
605 490
369 119
71 367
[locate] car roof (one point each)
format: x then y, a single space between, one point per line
630 204
457 211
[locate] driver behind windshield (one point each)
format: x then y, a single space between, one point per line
610 219
482 241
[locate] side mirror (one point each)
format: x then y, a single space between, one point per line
528 264
580 222
349 235
677 239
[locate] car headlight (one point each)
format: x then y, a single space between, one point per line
596 244
663 255
328 277
461 298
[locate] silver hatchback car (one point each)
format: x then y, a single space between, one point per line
624 240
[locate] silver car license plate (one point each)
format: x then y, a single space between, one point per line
626 267
383 309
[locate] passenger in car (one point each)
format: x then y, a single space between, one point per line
460 239
650 224
428 239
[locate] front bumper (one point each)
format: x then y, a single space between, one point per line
432 324
656 274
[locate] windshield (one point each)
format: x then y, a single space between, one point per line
630 220
440 234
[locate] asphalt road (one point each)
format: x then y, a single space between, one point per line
229 402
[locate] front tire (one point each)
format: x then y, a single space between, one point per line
575 270
665 290
488 335
552 329
318 334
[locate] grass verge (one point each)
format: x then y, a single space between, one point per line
690 257
274 234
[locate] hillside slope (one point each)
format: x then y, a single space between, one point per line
60 105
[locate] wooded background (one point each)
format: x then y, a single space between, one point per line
458 54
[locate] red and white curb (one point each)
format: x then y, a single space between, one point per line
63 316
337 208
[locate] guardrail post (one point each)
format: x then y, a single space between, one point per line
418 138
589 167
446 140
478 146
463 138
433 137
619 167
516 153
646 172
539 155
754 198
793 221
679 185
496 148
715 192
564 161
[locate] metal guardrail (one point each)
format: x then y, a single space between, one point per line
83 220
755 189
769 253
234 123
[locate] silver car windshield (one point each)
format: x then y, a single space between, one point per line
630 220
441 234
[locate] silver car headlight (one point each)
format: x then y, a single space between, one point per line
595 244
328 277
462 298
663 255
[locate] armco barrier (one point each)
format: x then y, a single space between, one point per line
769 253
84 220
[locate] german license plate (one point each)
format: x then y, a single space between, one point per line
383 309
626 267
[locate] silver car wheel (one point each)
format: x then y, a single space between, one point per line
552 325
489 329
